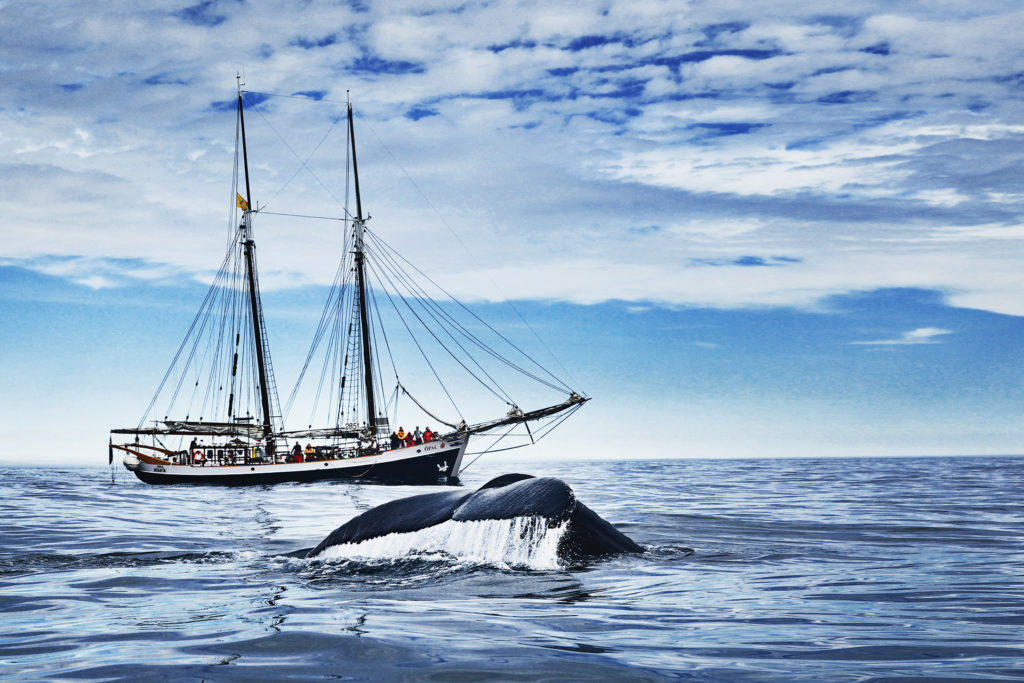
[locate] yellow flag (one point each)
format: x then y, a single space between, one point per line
241 203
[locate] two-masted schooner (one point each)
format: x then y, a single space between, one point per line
224 423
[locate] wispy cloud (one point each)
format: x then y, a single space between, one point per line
922 335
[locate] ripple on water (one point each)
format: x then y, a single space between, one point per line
755 570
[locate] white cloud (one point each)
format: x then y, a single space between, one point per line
96 282
922 335
749 170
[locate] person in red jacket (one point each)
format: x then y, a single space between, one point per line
427 435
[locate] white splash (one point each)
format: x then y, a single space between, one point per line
523 542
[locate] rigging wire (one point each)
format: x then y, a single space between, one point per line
426 304
395 255
440 343
199 315
544 431
420 347
375 357
294 97
274 405
262 212
233 200
437 213
384 334
326 319
303 164
349 362
489 449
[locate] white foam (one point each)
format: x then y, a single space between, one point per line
524 542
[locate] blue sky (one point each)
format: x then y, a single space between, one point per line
745 232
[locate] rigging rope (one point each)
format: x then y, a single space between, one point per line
431 333
420 347
393 254
301 215
199 315
507 299
337 291
421 407
371 303
384 334
488 449
431 308
302 164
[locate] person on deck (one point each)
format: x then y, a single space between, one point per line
427 435
401 434
309 452
395 441
417 436
408 440
296 453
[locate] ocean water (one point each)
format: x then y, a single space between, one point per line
760 570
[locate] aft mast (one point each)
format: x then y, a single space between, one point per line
364 324
254 303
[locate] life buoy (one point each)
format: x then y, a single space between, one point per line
198 454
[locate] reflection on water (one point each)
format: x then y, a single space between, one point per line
755 570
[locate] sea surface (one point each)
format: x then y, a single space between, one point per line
754 570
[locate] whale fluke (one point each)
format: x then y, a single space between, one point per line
506 497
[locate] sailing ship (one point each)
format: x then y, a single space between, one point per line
223 372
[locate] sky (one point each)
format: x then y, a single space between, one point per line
746 230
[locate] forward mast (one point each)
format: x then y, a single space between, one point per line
259 339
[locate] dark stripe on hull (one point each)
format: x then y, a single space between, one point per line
421 470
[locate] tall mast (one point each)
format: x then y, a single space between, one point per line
254 303
364 324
